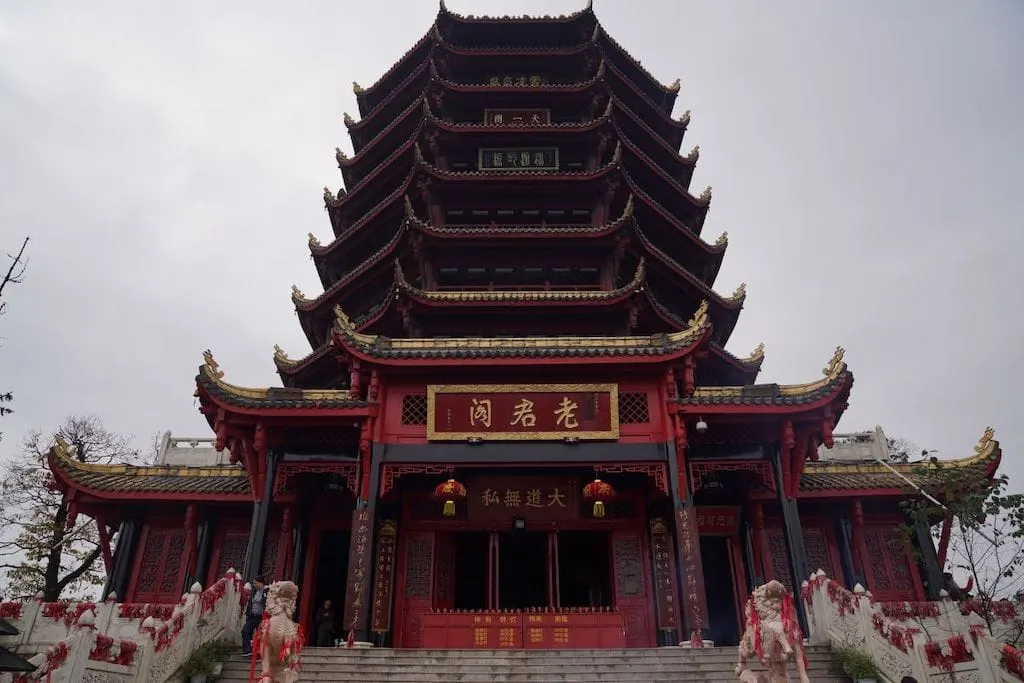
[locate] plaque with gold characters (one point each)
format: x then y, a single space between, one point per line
522 412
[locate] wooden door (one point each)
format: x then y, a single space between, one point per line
416 577
891 572
632 592
159 567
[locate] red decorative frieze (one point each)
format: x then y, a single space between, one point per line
718 520
287 472
761 470
359 569
538 498
526 412
532 630
385 578
655 470
665 593
393 472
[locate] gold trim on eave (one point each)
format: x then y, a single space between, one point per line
696 328
62 451
983 450
212 370
835 368
611 434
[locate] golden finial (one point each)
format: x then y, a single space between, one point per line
328 195
297 293
313 241
757 354
685 118
836 365
694 153
700 316
985 440
279 353
705 196
723 239
339 155
349 121
211 366
740 293
675 86
357 89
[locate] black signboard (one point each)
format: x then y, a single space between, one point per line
518 159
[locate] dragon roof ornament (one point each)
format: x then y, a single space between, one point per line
685 118
339 155
694 153
210 365
313 241
740 292
705 196
349 121
674 87
723 239
357 89
756 356
281 357
297 294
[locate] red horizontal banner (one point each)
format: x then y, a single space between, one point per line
499 499
717 520
506 412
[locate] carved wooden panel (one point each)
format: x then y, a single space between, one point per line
163 556
778 556
444 595
418 571
889 576
270 548
232 551
818 553
631 590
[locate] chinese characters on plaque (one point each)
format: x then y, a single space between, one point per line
359 567
718 520
664 575
517 117
693 577
522 412
518 159
539 498
385 577
517 81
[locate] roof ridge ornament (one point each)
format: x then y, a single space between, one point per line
700 316
723 239
617 156
694 153
757 355
674 87
740 292
280 355
210 365
630 203
685 118
357 89
835 365
328 196
340 155
705 196
313 241
349 121
985 441
297 294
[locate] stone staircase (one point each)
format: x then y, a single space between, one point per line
704 665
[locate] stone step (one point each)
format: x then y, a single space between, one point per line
657 665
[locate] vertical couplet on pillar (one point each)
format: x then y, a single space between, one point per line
383 589
359 569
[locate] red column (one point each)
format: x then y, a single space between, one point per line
191 528
762 558
285 545
859 549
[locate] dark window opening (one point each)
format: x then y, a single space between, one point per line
584 569
522 570
471 570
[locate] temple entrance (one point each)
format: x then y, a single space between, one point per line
331 579
523 570
716 554
584 570
471 569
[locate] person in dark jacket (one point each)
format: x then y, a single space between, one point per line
325 625
254 607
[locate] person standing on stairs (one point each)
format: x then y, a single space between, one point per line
253 613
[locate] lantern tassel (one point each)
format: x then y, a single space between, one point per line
449 508
599 509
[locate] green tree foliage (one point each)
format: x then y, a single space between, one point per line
39 552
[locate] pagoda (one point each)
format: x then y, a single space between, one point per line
519 425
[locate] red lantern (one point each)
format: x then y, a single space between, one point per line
450 491
600 492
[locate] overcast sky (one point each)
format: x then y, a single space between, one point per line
167 160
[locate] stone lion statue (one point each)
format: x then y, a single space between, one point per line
772 632
278 640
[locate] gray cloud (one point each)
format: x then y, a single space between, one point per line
167 161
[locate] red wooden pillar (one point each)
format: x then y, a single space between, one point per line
859 549
762 558
191 530
285 548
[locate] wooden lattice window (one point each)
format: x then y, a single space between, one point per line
414 410
270 548
888 564
633 408
818 555
232 552
779 557
160 570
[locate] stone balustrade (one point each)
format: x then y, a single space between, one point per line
931 641
121 642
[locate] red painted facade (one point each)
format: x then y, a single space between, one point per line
571 304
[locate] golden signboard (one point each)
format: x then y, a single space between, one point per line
522 412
